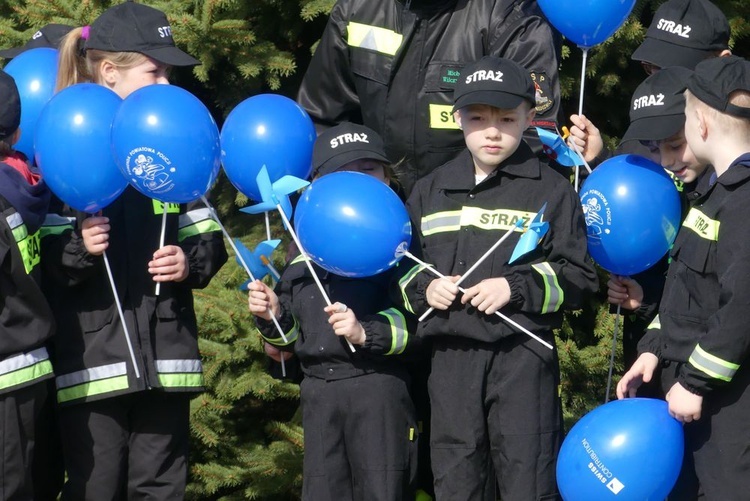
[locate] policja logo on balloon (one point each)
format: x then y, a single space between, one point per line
142 170
594 202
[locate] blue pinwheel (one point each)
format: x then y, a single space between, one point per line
275 195
259 260
532 236
555 148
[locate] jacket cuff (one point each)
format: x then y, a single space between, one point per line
516 290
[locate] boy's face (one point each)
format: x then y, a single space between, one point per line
675 155
492 134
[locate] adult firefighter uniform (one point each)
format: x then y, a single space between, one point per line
701 335
392 65
494 390
26 325
358 418
119 429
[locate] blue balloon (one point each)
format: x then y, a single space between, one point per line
626 450
352 224
166 143
266 130
74 150
632 211
35 73
587 22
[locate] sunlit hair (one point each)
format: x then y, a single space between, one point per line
76 67
727 124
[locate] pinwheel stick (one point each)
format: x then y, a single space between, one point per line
519 224
308 263
162 238
247 269
515 324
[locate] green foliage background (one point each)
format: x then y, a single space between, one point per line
247 439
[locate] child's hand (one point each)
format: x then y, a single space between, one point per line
586 136
641 372
275 353
345 323
489 295
262 300
441 292
683 405
95 233
169 264
624 291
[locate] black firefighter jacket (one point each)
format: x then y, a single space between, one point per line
91 357
702 319
392 65
457 221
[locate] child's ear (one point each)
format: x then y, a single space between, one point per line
109 73
530 116
457 118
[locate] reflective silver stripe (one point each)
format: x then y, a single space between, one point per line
93 374
441 222
171 366
404 282
24 360
712 365
373 38
655 323
57 220
553 293
14 220
194 216
291 336
399 333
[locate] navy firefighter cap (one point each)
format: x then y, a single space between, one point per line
494 81
344 143
717 78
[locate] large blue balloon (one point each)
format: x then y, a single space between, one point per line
587 22
35 73
632 212
74 149
626 450
166 143
266 130
352 224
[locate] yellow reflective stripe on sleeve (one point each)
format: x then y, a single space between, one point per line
196 222
404 282
553 293
712 365
655 323
441 117
374 38
498 219
702 225
399 333
291 336
300 259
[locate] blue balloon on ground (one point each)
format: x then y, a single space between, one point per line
352 224
35 73
587 22
266 130
626 450
74 148
632 212
166 143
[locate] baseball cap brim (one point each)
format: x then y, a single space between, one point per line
11 53
654 128
664 54
337 161
502 100
171 56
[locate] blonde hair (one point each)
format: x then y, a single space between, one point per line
727 124
76 66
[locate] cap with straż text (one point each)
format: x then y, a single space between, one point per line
494 81
344 143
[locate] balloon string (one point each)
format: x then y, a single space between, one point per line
246 267
308 263
122 315
161 238
431 269
612 355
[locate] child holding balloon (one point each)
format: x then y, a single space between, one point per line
26 320
358 418
700 343
125 416
494 391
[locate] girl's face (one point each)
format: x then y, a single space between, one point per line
367 166
125 81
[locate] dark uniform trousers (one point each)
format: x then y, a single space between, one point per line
131 446
495 404
360 439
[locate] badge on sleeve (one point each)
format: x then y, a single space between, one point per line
543 93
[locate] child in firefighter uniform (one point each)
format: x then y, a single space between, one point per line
26 320
358 417
494 390
700 340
